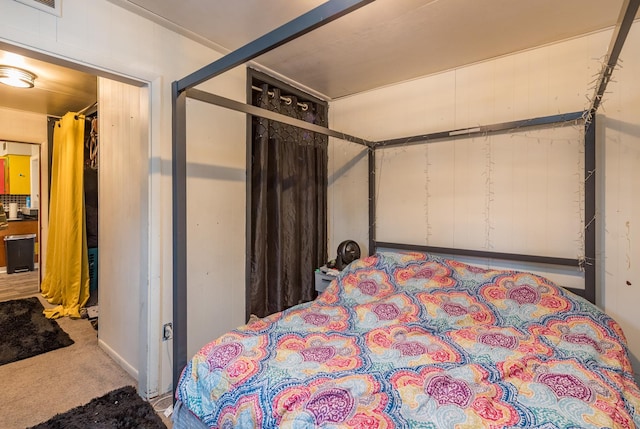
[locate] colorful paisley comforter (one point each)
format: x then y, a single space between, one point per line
418 341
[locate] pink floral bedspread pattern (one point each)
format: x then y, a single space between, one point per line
414 340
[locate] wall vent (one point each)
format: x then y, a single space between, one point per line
53 7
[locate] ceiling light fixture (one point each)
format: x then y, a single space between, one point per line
14 76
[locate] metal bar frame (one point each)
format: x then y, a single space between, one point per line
372 201
549 260
179 212
305 23
315 18
590 220
249 109
483 129
588 264
323 14
623 25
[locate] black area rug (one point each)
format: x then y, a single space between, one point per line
120 409
25 332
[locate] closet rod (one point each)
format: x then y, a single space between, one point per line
57 118
92 108
287 100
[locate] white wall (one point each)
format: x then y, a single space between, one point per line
473 182
35 176
347 199
216 205
122 215
103 36
619 180
540 82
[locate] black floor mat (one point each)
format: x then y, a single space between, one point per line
26 332
120 409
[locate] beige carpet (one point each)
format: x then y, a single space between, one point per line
35 389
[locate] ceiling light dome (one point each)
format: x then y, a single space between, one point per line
14 76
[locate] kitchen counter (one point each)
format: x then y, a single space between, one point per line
21 217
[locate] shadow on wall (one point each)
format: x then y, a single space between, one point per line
345 168
604 124
209 171
630 128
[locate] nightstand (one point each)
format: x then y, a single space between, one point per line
322 279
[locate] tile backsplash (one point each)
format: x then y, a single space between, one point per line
6 199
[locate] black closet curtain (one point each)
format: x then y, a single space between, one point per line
288 204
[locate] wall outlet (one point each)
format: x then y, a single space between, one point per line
167 331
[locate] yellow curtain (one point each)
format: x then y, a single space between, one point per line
66 280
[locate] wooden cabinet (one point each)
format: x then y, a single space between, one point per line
18 227
17 174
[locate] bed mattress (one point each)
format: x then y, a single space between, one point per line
415 340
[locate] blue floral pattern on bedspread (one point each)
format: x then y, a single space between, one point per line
415 340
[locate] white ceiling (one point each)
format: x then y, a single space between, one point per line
58 89
384 42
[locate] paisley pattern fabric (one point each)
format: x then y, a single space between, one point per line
418 341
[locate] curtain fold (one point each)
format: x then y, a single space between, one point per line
66 280
288 205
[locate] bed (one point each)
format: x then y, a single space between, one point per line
404 339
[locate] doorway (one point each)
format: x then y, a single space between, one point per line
19 237
123 180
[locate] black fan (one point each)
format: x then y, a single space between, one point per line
348 251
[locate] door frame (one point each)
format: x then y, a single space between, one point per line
149 368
